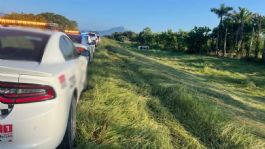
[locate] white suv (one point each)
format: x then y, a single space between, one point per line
94 38
41 80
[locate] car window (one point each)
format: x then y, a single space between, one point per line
92 35
73 49
75 38
68 48
22 45
85 39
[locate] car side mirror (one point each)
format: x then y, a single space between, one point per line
79 48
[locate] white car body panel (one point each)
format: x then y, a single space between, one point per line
43 124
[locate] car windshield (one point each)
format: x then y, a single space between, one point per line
22 45
92 35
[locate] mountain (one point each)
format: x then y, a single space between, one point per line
111 31
2 14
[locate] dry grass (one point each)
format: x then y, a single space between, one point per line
158 99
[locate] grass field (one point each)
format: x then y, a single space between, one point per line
159 99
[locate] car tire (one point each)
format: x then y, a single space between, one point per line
69 136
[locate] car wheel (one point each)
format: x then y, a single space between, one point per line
68 140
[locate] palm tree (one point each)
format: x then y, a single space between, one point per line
263 54
242 17
253 23
221 13
256 22
227 24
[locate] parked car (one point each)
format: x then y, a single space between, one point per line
87 40
143 47
94 38
41 80
84 40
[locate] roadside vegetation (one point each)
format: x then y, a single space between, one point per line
165 99
240 34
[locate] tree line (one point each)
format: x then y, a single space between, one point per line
63 22
240 34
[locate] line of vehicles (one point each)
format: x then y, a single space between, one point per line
87 41
42 76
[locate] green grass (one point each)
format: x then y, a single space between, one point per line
160 99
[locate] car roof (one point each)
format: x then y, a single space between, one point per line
28 29
74 35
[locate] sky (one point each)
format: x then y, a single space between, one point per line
134 15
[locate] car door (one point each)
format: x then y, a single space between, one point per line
78 68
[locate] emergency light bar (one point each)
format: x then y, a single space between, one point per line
72 31
42 25
21 22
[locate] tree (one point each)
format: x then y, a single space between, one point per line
146 37
240 33
257 23
62 21
221 12
172 40
24 16
118 36
197 39
131 36
263 54
253 23
167 40
227 24
182 40
124 36
242 17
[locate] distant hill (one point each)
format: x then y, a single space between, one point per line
2 14
110 31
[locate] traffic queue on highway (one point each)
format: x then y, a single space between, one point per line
43 73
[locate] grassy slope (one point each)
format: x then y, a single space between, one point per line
156 99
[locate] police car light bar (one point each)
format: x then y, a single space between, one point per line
22 22
42 25
72 31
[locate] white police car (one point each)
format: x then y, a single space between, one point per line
41 80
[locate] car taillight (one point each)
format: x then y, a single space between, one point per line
13 93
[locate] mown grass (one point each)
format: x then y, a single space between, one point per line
158 99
